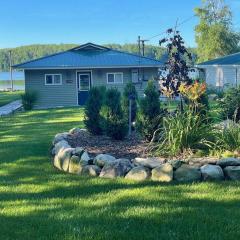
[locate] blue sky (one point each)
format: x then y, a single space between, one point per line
24 22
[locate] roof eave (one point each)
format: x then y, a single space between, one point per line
89 67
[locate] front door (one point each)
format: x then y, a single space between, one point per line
84 84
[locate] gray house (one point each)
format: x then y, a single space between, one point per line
65 78
222 72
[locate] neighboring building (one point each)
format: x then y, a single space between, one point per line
222 72
65 78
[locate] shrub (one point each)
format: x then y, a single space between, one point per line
229 138
29 99
113 122
231 104
149 116
92 110
130 90
185 132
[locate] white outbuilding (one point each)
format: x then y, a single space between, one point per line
222 72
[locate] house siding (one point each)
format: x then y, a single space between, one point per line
50 96
229 75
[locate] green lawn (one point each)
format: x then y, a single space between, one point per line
38 202
7 97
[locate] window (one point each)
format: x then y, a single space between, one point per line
53 79
135 75
114 78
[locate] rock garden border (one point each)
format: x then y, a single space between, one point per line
78 161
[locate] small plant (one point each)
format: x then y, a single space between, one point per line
231 104
185 133
150 115
29 99
229 138
130 91
113 122
92 110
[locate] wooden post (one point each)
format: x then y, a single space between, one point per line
10 69
130 118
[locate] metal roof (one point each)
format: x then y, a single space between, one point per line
90 56
233 59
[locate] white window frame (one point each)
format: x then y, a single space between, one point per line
89 84
114 73
53 74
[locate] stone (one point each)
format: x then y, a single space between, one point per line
151 162
74 166
102 159
77 130
64 156
139 173
60 136
91 170
232 172
212 172
163 173
224 162
175 163
201 161
117 168
57 162
59 145
85 157
78 151
187 173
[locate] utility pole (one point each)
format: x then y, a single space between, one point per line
10 69
139 45
143 46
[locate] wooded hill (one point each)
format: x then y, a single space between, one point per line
26 53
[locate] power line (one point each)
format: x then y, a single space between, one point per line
176 26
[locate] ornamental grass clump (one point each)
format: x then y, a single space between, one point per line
29 99
229 138
184 133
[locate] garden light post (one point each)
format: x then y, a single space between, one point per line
131 97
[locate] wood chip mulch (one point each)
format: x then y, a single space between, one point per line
128 148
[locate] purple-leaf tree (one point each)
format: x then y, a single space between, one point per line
176 65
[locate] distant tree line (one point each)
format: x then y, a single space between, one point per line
26 53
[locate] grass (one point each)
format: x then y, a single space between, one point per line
39 202
7 97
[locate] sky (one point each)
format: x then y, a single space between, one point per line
24 22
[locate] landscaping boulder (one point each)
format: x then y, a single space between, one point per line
232 172
163 173
224 162
74 166
60 136
102 159
151 162
201 161
78 151
139 173
212 172
59 145
64 156
187 173
117 168
175 163
85 157
56 162
78 131
91 170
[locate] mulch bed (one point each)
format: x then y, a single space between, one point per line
128 148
